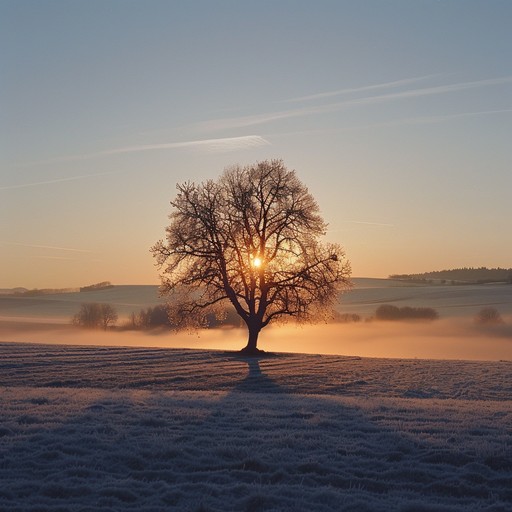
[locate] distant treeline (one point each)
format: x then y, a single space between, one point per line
460 276
98 286
52 291
43 291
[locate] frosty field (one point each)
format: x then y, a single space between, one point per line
103 428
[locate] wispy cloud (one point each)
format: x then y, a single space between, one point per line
429 91
252 120
383 224
226 144
49 182
48 247
257 119
220 145
59 258
339 92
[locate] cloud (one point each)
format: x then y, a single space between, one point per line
252 120
384 224
48 247
58 180
429 91
256 119
220 145
339 92
59 258
226 144
366 223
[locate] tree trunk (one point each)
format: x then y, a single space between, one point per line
254 330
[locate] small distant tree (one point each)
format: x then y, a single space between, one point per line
94 315
133 320
108 316
488 316
251 239
88 315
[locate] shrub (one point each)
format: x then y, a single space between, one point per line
390 312
347 318
488 316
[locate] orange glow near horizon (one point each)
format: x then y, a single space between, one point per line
451 338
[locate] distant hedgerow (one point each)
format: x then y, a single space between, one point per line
390 312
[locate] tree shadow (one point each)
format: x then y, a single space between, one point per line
256 381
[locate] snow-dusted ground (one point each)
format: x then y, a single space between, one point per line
98 428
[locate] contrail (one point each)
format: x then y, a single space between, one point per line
339 92
256 119
49 247
371 223
215 145
58 180
219 145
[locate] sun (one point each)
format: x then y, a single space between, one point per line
257 262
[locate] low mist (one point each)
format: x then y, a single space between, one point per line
456 338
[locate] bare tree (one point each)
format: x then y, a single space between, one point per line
250 238
92 314
108 316
88 315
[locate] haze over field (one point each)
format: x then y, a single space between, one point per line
396 115
46 319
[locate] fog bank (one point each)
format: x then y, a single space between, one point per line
442 339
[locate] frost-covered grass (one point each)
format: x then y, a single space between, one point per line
98 428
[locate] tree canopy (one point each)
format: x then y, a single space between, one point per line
251 238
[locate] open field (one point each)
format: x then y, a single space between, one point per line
98 428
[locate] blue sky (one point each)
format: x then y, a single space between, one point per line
397 115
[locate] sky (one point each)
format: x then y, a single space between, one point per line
396 115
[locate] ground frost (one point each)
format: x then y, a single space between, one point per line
221 444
